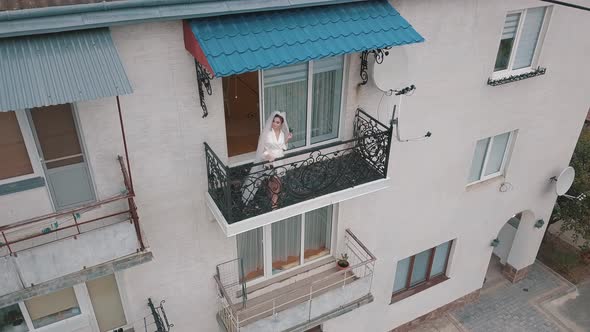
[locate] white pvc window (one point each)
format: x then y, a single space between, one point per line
54 307
519 41
310 94
273 249
490 157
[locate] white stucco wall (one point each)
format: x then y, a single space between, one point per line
427 202
506 238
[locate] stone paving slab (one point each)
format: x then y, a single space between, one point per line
573 309
516 307
522 307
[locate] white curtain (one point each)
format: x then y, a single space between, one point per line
531 28
285 90
481 148
250 251
326 90
318 229
286 243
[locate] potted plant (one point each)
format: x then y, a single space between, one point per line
343 262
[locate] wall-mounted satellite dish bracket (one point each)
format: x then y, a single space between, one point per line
395 119
563 183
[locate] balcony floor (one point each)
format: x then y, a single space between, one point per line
303 182
331 301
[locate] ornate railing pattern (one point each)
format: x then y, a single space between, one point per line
249 190
515 78
236 311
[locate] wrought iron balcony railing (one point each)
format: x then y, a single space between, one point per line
246 191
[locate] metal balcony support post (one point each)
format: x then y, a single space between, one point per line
227 194
344 279
310 298
125 144
76 222
389 134
6 243
135 218
274 309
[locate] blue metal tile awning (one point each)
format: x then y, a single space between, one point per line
59 68
234 44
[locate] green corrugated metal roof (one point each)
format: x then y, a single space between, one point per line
59 68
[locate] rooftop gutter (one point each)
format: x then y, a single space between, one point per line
87 16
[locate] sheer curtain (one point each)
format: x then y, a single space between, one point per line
250 251
531 29
318 231
327 91
285 89
286 244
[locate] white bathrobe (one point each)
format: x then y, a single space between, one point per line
275 148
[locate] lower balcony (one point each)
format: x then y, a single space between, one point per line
301 300
62 248
251 195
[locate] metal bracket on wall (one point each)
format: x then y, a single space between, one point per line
203 79
379 54
515 78
160 318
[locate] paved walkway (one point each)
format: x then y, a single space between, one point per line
533 304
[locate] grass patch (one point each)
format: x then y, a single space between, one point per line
564 260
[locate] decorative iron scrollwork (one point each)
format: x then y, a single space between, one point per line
246 191
515 78
203 79
159 316
379 54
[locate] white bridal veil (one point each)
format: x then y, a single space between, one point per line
251 184
262 140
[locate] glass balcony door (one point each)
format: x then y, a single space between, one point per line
62 155
292 242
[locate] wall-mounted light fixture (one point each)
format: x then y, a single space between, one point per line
539 223
495 242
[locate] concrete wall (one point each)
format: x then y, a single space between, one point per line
506 238
429 202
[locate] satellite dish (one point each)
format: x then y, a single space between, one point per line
392 73
565 180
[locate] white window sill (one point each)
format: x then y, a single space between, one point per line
499 178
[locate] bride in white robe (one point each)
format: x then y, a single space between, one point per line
272 145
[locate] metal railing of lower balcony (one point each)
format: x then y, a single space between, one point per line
57 226
309 300
246 191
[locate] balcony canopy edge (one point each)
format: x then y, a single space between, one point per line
59 68
235 44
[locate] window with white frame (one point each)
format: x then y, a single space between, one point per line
490 157
520 40
12 319
65 309
106 303
54 307
310 93
423 269
283 245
